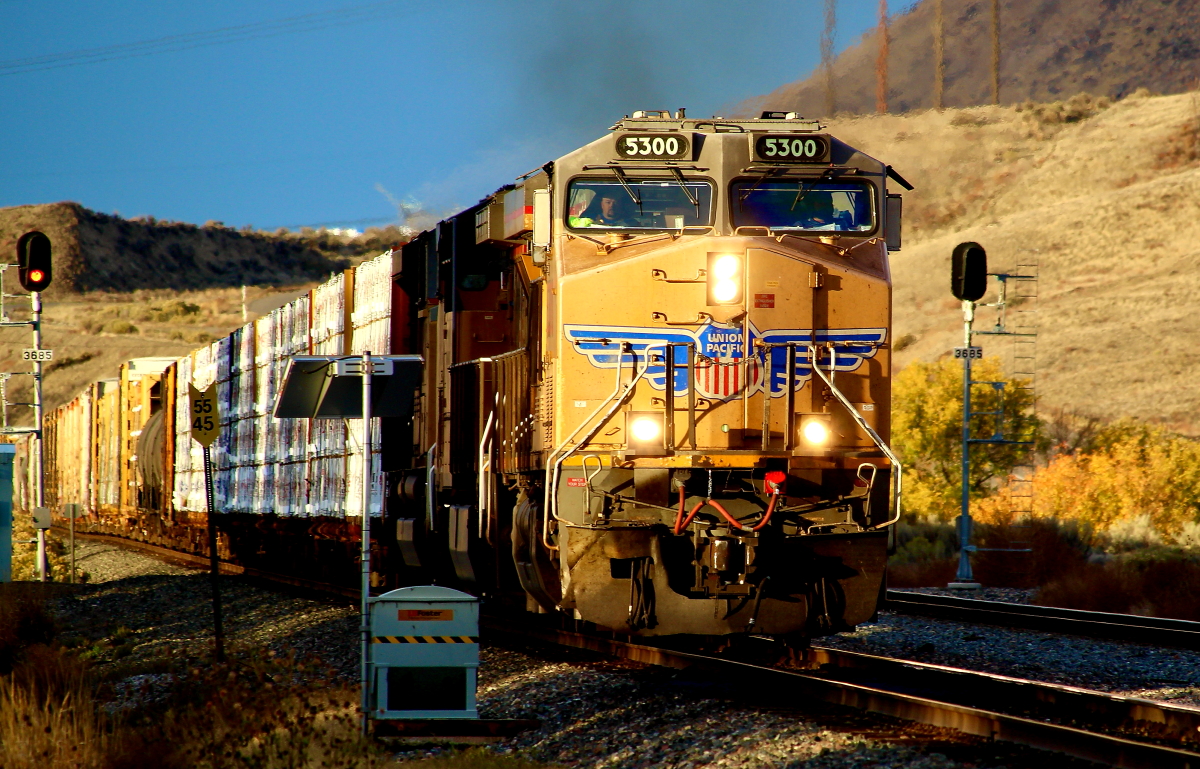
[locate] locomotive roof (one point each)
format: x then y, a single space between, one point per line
662 120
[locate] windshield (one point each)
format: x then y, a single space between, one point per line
803 205
660 204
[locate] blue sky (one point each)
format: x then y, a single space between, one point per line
281 113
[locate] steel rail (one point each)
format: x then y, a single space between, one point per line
1071 705
885 699
1118 627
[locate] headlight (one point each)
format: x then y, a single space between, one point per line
725 278
725 290
647 433
726 266
815 431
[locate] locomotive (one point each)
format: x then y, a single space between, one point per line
655 396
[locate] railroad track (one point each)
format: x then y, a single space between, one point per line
980 704
1119 627
1124 732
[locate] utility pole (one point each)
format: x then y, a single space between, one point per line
881 63
995 51
827 55
939 56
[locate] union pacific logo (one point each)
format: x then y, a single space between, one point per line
721 372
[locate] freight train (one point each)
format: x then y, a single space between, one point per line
654 397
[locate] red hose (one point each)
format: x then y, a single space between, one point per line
679 529
725 513
682 523
767 515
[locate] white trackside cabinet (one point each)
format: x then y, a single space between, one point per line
424 653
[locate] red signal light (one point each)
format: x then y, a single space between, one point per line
34 261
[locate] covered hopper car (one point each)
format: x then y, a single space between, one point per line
655 397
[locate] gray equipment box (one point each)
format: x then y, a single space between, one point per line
424 654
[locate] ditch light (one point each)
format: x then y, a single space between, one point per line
815 429
647 433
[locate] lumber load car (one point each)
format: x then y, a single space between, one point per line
655 397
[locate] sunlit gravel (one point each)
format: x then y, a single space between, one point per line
593 712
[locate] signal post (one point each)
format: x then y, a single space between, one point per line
34 271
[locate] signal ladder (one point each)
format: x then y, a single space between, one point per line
1016 318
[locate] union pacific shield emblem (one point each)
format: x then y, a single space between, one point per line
723 369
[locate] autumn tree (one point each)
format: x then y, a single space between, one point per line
927 433
1130 470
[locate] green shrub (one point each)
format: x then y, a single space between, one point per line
119 327
171 311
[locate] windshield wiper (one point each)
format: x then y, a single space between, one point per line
746 192
620 172
695 201
800 193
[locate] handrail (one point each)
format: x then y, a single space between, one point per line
485 477
812 352
554 468
430 472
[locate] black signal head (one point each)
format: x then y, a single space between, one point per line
34 261
968 272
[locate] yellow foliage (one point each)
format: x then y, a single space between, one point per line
927 432
1135 471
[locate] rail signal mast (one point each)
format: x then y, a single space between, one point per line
34 272
968 282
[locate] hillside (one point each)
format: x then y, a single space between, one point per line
99 252
92 334
1050 49
1111 206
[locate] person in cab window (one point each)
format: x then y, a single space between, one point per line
613 209
816 212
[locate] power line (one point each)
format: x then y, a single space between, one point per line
309 22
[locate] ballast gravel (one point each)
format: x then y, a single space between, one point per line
602 713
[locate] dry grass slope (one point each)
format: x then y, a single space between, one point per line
1111 206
